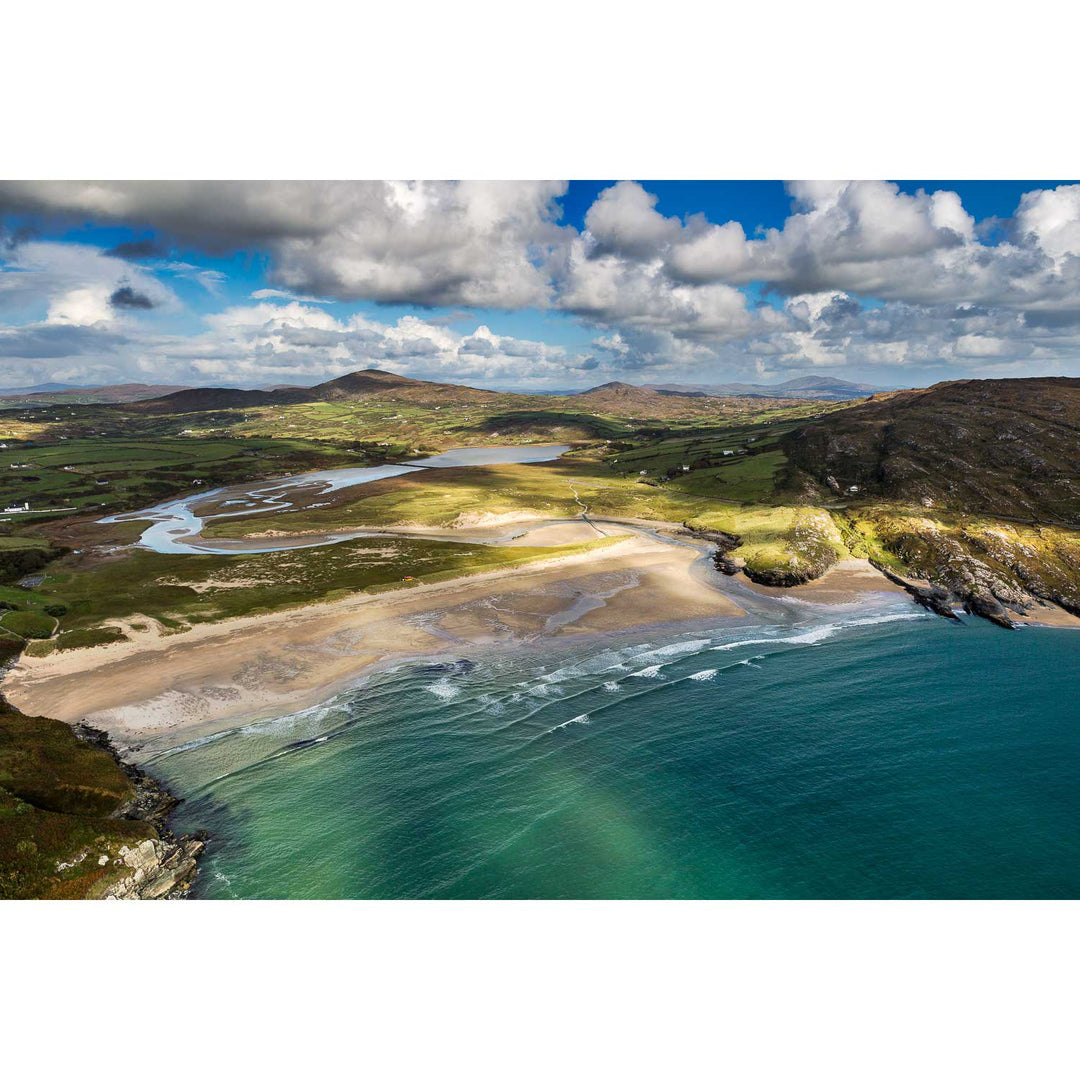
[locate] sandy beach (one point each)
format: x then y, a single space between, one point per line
842 583
159 683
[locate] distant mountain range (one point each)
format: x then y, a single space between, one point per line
376 383
627 393
64 394
357 384
41 388
810 387
373 383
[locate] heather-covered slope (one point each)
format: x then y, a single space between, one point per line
1005 447
357 385
75 824
972 486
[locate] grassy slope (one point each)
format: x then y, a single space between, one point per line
971 485
1001 447
773 536
136 472
57 795
972 555
178 590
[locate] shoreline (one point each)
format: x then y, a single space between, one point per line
164 868
162 684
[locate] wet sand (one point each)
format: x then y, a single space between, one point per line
1047 615
160 683
844 583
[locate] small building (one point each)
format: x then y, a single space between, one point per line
17 509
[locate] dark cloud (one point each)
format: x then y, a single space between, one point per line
1051 320
12 236
137 249
56 340
437 243
841 307
126 297
475 346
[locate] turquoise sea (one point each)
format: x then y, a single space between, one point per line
864 751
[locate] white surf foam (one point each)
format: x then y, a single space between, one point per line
677 648
582 719
811 637
443 689
651 672
704 676
873 620
821 633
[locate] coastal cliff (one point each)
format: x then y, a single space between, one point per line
78 823
969 488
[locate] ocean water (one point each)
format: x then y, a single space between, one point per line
858 752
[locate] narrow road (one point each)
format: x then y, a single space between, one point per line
584 509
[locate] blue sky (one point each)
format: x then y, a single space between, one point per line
538 285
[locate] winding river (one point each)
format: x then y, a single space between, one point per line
176 525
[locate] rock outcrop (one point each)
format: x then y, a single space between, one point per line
161 868
725 543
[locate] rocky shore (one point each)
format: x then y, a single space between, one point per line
1006 572
813 558
159 869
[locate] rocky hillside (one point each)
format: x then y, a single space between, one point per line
1004 447
76 824
972 488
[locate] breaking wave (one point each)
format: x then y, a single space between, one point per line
582 719
443 689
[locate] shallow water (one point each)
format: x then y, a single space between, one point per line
178 522
869 751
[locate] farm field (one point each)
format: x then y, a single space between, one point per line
711 464
106 475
